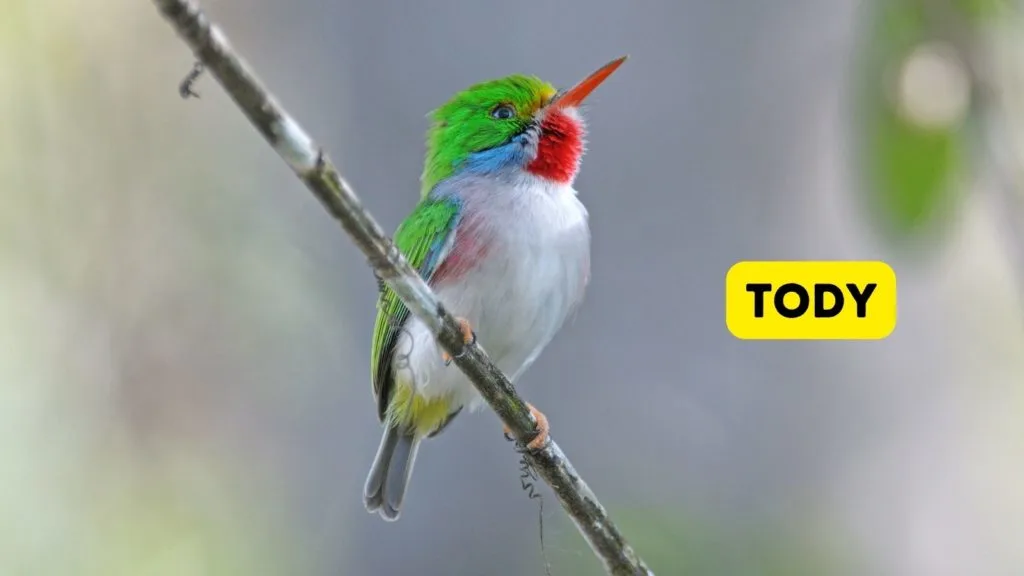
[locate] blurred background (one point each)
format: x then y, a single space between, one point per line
184 332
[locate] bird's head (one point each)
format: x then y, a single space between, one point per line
512 123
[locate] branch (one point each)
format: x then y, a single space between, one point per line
312 166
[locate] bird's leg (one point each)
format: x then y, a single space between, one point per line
468 338
542 429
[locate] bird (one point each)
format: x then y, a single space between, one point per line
500 235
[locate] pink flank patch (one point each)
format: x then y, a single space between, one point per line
559 149
469 248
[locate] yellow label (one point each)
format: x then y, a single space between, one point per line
810 300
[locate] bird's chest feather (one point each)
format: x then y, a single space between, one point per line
525 258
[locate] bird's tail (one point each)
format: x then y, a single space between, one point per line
389 475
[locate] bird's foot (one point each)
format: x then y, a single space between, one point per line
468 338
543 428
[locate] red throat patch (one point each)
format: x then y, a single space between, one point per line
559 149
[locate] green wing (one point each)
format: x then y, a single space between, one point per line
423 238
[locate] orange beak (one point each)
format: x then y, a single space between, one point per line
575 95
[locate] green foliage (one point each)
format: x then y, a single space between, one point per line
913 167
982 9
908 170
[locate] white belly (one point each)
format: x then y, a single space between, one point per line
518 296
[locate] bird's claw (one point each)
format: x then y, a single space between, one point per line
521 448
468 339
518 446
540 440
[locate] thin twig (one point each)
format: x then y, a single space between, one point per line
186 87
311 164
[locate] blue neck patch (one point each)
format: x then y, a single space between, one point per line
497 159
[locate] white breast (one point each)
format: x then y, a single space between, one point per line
519 296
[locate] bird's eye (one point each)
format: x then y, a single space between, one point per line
503 112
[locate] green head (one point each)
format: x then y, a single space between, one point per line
482 117
502 122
